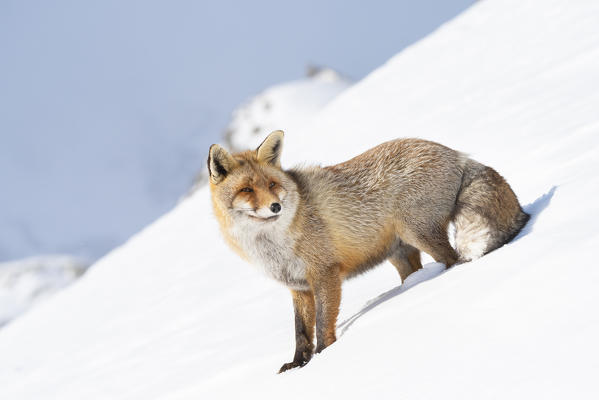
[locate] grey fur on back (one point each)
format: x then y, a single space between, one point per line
424 186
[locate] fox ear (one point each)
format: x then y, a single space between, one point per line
220 163
270 149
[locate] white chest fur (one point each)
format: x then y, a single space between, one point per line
270 248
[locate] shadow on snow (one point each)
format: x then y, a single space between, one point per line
534 209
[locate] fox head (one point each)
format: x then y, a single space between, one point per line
250 187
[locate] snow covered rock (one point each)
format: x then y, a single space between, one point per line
289 106
24 283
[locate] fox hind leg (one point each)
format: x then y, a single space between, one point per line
406 259
433 240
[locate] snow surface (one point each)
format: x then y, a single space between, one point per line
174 314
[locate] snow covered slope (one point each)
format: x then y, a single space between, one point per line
173 314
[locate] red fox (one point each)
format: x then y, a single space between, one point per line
312 228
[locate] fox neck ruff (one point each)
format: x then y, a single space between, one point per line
270 246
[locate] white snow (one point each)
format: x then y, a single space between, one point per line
174 314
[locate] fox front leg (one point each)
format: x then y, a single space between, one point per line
303 307
326 284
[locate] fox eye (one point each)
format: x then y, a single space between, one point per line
247 189
271 185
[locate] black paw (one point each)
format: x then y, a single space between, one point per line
292 364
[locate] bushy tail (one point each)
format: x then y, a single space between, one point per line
487 213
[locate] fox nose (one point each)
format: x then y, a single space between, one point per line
275 207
